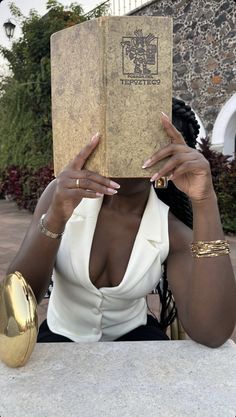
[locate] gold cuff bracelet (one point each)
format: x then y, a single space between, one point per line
209 249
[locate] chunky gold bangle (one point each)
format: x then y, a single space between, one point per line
18 320
209 249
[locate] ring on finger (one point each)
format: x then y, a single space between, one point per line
161 182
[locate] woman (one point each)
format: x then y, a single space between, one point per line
105 242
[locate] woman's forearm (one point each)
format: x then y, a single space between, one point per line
35 260
212 289
206 219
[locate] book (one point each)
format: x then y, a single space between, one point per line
112 75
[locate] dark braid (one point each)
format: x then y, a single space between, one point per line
185 121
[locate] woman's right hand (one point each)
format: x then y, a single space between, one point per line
73 184
37 254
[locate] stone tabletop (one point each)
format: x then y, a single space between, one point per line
122 379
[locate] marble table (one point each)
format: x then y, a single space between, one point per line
122 379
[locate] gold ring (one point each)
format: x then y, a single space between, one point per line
77 183
162 182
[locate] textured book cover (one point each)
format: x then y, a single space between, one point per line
112 75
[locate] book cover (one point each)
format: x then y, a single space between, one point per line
112 75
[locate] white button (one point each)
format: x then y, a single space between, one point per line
95 310
96 331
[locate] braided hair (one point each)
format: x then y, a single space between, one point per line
184 120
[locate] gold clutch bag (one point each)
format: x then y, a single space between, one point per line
18 320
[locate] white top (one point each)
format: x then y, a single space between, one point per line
80 311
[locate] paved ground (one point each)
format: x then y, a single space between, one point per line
13 225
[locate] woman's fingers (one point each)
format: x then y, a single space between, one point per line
166 152
176 140
189 170
79 161
86 183
195 166
174 162
83 193
89 185
85 180
171 131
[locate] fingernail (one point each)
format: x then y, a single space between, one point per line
99 195
111 191
95 137
170 177
154 177
148 162
165 115
114 184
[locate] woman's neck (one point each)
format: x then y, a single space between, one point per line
131 197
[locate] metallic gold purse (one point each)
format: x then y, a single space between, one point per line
18 320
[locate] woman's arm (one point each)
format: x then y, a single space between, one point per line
204 288
36 256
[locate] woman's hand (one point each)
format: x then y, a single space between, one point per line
74 183
186 167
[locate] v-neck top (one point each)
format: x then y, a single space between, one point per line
82 312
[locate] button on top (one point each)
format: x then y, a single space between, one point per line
96 331
96 310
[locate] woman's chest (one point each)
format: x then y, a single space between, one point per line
111 248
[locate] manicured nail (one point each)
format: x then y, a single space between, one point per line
170 177
147 163
154 177
99 195
165 115
114 184
111 191
96 137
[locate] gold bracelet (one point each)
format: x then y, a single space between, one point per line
47 232
209 249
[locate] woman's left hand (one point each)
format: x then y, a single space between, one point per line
186 167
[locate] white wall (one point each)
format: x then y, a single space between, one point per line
224 131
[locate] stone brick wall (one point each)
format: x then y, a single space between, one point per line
204 55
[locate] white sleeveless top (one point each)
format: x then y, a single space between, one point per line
80 311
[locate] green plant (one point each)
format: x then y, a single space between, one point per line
25 95
227 197
25 185
223 171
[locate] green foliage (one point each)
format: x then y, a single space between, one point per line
15 11
227 197
101 10
25 96
24 185
224 180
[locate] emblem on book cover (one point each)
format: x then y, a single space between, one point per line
140 55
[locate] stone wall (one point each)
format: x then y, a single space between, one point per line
204 52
